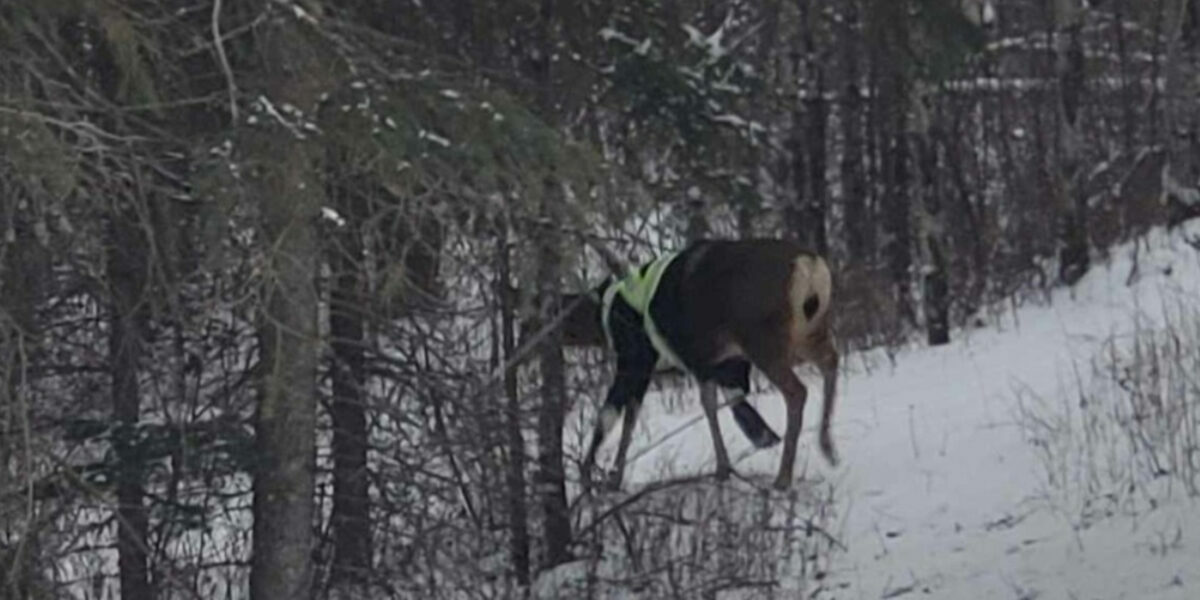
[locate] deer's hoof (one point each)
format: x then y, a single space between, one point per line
827 448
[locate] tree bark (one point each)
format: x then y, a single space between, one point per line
551 474
290 200
518 512
286 419
892 23
854 187
817 126
796 214
1182 127
126 266
350 515
936 285
1073 236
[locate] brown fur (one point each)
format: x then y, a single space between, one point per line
746 300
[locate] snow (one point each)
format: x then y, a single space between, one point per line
940 492
435 138
330 214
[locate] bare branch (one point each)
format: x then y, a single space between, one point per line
224 60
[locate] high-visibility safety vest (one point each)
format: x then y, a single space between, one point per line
637 288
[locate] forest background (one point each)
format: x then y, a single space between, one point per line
267 268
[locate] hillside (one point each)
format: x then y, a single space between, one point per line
994 467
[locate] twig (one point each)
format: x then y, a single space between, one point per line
636 496
69 473
224 60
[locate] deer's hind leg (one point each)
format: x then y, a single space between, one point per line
770 355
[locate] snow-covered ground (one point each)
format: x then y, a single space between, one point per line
940 492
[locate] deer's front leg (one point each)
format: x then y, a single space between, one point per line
631 412
708 399
625 395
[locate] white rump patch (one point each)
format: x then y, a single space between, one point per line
810 277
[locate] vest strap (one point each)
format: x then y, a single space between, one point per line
637 288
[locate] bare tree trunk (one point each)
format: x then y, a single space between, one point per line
931 228
518 512
1128 123
854 187
891 22
1073 236
818 190
126 266
817 126
796 214
551 474
1182 72
23 266
749 201
552 415
350 516
286 420
897 209
972 224
290 199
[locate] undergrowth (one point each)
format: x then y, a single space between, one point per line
1128 438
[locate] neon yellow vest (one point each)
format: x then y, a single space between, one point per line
637 288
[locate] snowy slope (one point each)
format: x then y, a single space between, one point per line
940 492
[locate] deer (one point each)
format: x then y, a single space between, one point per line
713 310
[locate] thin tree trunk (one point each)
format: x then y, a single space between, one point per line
551 474
936 286
552 415
126 268
518 512
956 150
854 188
1182 93
23 266
290 199
796 213
1073 236
897 209
892 21
749 201
1128 123
350 516
818 190
817 126
286 419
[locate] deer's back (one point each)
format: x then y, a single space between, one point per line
717 292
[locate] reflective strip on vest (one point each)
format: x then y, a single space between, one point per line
638 289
